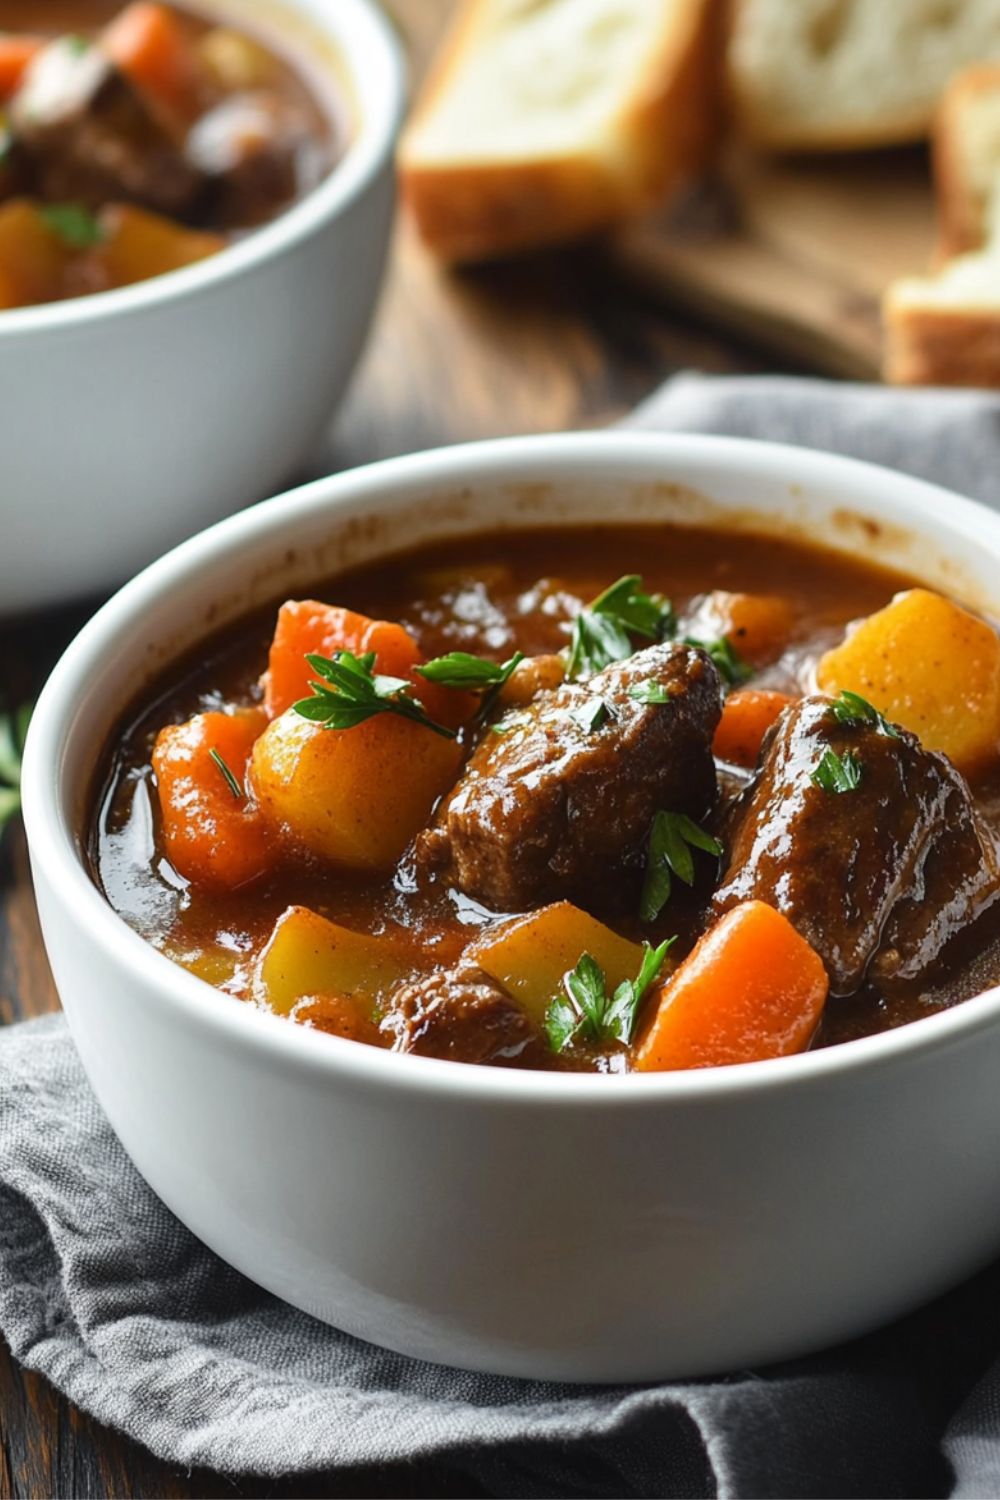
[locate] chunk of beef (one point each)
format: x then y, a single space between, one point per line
463 1015
86 135
253 151
558 805
878 879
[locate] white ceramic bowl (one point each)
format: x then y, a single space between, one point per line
571 1226
131 419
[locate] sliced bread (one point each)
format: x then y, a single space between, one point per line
830 75
546 119
967 158
945 329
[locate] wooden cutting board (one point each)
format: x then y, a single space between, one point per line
794 253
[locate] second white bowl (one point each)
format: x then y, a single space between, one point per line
131 419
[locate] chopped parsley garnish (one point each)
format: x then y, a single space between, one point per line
228 776
13 731
672 837
732 668
602 632
590 714
351 692
837 773
473 674
851 709
649 691
587 1013
76 226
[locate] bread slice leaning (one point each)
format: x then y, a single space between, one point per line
546 119
832 75
944 329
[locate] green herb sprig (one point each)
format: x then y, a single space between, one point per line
13 732
602 633
76 226
851 709
590 714
837 773
672 837
731 666
228 775
650 691
472 674
586 1012
349 692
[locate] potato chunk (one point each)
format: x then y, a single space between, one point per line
308 956
929 665
530 955
354 797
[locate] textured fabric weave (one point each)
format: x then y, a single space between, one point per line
105 1293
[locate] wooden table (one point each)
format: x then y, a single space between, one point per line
558 342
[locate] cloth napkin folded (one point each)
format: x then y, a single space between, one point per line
106 1294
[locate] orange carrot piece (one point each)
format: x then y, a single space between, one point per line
212 837
17 50
149 44
752 988
305 626
747 715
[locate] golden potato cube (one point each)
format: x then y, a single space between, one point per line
307 955
355 797
929 665
530 954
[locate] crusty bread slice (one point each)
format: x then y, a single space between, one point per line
546 119
967 158
945 329
830 75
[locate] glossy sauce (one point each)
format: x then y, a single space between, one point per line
489 596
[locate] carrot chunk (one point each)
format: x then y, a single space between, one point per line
17 50
213 834
747 715
752 988
307 627
149 44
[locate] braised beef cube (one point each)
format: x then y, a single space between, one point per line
558 803
88 136
879 876
464 1015
253 150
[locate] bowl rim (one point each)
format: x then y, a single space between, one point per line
373 59
56 852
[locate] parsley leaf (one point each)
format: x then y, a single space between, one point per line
585 1012
460 669
602 632
649 691
76 226
351 692
732 668
13 732
228 776
850 709
671 840
837 773
590 714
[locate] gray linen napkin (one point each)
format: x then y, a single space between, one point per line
105 1293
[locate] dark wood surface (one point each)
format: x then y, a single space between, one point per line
556 342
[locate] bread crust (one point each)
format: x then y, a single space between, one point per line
484 210
941 346
960 215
